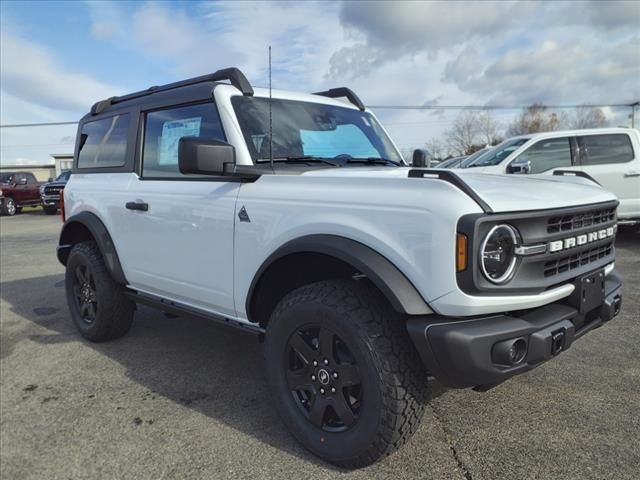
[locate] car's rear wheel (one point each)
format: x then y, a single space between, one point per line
9 207
347 380
97 304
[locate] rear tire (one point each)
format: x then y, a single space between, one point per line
97 304
9 207
373 381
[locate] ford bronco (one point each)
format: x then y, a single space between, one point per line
293 216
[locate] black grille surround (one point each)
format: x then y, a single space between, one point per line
536 273
53 190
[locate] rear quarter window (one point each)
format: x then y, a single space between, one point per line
103 143
605 149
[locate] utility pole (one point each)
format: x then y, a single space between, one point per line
633 114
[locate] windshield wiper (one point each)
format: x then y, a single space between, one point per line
373 161
303 159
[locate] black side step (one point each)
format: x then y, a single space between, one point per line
177 308
343 92
576 173
453 179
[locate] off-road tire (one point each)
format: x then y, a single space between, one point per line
50 210
9 207
113 311
393 378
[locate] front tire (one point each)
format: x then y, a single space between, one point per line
50 210
97 304
9 208
348 382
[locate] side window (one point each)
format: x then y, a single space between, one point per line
30 178
165 128
20 179
547 154
103 143
603 149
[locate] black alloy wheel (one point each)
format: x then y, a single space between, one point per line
84 291
323 378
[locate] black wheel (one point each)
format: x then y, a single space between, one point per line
347 380
50 210
9 207
96 302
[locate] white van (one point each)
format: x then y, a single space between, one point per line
611 156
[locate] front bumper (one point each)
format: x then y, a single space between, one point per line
476 353
50 201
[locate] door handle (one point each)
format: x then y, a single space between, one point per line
632 174
137 206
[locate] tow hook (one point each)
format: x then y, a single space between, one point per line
557 342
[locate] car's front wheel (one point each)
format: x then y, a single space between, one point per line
9 207
97 304
347 381
50 210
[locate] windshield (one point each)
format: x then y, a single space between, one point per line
499 153
6 177
311 130
472 158
64 176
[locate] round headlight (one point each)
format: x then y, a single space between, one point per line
497 253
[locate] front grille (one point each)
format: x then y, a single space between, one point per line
566 223
52 190
571 262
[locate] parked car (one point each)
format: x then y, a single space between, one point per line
452 162
465 160
50 193
361 275
611 156
17 190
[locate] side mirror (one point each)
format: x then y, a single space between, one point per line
421 158
519 167
197 155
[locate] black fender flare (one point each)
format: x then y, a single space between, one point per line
73 232
394 285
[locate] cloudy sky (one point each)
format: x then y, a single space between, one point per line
57 58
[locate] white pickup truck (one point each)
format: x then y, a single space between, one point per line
293 216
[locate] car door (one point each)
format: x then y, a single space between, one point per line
613 161
21 189
177 242
32 193
544 156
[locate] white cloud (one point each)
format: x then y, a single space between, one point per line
31 72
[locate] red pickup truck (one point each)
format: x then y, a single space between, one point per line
17 190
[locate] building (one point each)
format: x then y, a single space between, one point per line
42 172
63 162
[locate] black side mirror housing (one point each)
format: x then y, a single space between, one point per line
205 156
421 158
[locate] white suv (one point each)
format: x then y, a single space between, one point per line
611 156
295 218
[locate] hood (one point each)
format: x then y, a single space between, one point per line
503 193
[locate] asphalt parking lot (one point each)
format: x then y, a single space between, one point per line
183 398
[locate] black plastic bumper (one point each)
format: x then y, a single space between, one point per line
483 352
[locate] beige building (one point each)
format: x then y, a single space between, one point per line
42 172
63 162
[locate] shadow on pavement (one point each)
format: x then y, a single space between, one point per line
212 369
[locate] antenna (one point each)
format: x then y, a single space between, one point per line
270 116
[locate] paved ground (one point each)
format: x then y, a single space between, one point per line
181 398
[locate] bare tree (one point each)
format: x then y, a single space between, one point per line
535 118
436 148
487 127
463 132
588 117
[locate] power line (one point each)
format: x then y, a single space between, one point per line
46 124
491 107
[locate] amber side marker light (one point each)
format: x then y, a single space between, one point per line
461 252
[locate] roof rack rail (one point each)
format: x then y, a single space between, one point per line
343 92
452 178
576 173
234 75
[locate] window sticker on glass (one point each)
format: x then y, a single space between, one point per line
172 132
